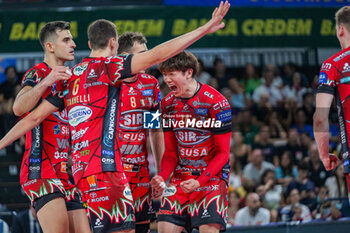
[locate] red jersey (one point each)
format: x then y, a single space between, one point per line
334 79
91 97
46 149
138 97
195 121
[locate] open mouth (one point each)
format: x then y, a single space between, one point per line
173 87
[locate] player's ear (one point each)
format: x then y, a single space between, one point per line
89 45
49 47
341 30
189 73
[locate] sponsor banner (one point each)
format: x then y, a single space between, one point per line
245 26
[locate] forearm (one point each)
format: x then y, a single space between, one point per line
28 99
321 134
222 150
157 145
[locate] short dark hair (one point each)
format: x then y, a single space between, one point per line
128 39
49 31
181 62
342 16
304 166
100 32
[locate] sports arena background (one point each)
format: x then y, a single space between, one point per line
288 39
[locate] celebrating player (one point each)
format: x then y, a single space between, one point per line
44 165
197 132
91 97
139 94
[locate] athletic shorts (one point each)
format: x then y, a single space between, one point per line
109 201
139 181
42 191
206 205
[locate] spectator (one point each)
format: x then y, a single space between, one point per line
288 71
234 204
295 90
253 214
239 148
295 211
251 79
26 221
336 184
286 172
257 166
202 76
326 210
240 99
274 94
213 82
235 180
247 127
263 141
277 80
304 185
277 132
301 125
9 86
308 106
317 173
294 146
220 72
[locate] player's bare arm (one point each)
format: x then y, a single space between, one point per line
28 123
172 47
156 137
321 130
29 96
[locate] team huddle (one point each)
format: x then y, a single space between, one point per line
85 166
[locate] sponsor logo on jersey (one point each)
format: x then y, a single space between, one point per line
148 92
131 120
92 181
201 111
222 104
80 145
322 78
207 93
346 68
196 103
192 163
326 66
62 116
98 223
60 155
205 214
344 80
84 152
146 76
127 193
34 160
60 129
341 56
92 74
64 167
224 116
78 134
132 137
193 152
128 149
169 191
62 143
79 70
79 114
132 91
151 120
135 160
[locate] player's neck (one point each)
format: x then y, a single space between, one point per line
101 53
53 61
192 89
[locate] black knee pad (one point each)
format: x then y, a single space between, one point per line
143 228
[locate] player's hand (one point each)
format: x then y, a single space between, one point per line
58 73
158 186
330 161
188 186
215 23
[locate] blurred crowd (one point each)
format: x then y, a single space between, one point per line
276 174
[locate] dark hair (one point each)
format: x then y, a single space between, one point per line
128 39
100 32
181 62
342 16
288 171
304 166
217 60
10 67
267 171
49 31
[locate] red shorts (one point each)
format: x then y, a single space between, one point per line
41 191
206 205
139 181
109 201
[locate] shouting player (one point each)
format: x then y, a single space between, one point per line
44 176
91 97
197 132
139 94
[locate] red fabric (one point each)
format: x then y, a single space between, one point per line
169 160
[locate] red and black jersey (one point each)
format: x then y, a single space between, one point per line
194 122
46 146
334 79
139 96
91 97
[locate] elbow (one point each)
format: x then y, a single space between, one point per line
17 111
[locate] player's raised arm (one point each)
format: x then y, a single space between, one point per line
172 47
28 123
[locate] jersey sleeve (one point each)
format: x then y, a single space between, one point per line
156 97
327 78
56 95
31 77
118 68
221 111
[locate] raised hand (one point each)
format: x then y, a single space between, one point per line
215 23
58 73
